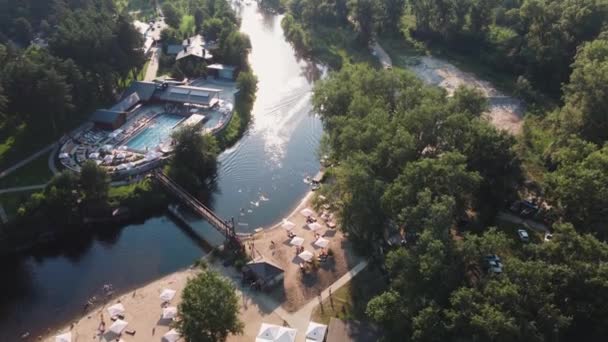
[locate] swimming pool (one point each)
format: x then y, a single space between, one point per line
157 131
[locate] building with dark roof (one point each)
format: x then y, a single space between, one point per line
224 71
263 273
351 331
108 119
144 90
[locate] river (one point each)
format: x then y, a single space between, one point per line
259 181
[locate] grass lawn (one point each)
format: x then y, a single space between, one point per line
350 301
35 172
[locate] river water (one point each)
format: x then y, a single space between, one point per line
259 181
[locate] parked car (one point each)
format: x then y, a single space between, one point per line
493 263
523 235
548 237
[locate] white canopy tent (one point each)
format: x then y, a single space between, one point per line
315 332
116 309
67 337
167 294
169 312
268 332
306 256
297 241
286 335
171 336
118 326
288 225
307 212
314 226
94 155
321 242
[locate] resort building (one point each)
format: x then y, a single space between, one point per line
106 119
222 71
191 48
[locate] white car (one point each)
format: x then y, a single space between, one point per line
548 237
523 235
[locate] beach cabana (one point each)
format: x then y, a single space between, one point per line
314 226
306 256
315 332
268 332
118 326
307 212
169 312
297 241
321 242
171 336
116 309
167 294
67 337
288 225
286 335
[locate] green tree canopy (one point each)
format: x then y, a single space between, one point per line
209 310
193 162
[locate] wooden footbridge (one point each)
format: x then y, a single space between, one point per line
225 227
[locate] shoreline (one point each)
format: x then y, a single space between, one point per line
178 277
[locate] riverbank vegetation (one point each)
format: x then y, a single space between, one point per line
79 56
247 87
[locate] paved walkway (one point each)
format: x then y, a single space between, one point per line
538 226
3 216
384 58
27 160
51 161
22 188
152 66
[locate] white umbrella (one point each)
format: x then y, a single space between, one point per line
123 147
118 326
167 295
121 156
94 155
112 135
169 312
315 332
67 337
64 155
108 158
121 167
321 242
171 336
288 225
286 335
306 255
108 147
268 332
307 212
297 241
314 226
116 309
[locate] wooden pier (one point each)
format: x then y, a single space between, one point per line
223 226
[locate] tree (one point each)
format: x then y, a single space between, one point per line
3 102
194 158
363 12
94 182
172 16
209 309
23 31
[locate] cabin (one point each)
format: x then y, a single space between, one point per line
222 71
263 274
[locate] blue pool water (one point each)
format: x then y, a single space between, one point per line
158 131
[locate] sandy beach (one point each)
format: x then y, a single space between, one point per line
143 305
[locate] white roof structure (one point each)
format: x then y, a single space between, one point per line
67 337
314 226
167 294
171 336
169 312
315 332
297 241
118 326
268 332
307 212
286 335
306 256
116 309
321 242
288 225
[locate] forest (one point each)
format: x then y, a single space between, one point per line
414 160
